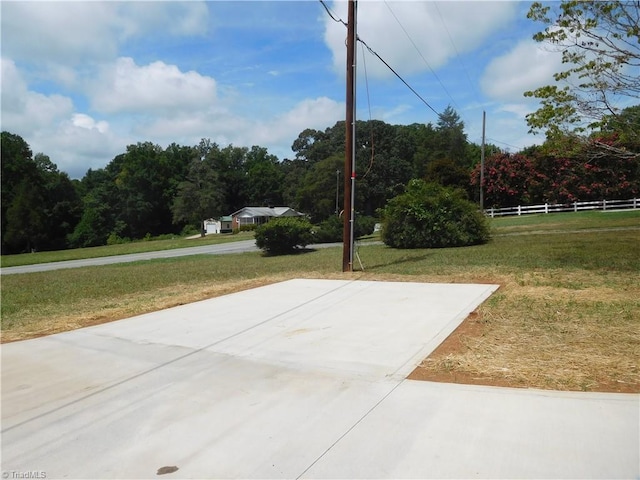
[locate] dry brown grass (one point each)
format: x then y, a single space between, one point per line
532 335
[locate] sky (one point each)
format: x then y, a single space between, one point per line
82 80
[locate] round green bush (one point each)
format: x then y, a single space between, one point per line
429 215
283 235
331 229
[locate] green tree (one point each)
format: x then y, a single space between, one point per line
199 196
264 178
451 139
317 192
40 205
25 219
99 210
17 167
230 165
145 181
600 45
61 207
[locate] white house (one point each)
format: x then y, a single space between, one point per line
223 225
260 215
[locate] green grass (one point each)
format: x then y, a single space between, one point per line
504 225
57 292
567 315
566 221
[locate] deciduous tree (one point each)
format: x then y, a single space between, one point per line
600 46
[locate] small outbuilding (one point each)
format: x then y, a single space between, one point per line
222 225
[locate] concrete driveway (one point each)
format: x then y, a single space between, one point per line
301 379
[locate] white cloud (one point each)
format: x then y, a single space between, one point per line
82 120
225 127
157 87
439 30
25 111
48 123
69 33
526 67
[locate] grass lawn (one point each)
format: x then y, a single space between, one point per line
567 315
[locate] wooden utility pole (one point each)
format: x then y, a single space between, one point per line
349 158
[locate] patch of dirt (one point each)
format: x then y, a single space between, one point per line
471 327
434 368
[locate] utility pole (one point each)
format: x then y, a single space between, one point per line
337 192
349 158
482 164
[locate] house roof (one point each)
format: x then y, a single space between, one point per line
250 212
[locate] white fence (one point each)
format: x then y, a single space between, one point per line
633 203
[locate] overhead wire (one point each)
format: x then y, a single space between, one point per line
366 81
373 52
464 67
420 53
337 19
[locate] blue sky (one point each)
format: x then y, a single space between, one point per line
82 80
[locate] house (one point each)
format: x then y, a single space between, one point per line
260 215
223 225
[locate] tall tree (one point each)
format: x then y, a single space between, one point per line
600 45
144 175
25 219
99 211
40 205
61 207
200 195
230 165
17 166
317 191
264 178
451 140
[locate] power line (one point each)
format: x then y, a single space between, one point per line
464 67
420 53
337 20
373 52
507 144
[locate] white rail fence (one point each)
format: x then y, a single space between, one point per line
633 203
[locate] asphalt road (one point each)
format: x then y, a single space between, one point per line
233 247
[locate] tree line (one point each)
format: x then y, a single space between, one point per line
591 151
149 191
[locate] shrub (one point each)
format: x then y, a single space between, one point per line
189 230
331 229
283 235
429 215
364 226
115 239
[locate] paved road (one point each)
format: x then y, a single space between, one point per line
233 247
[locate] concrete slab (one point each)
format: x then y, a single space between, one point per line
433 430
300 378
